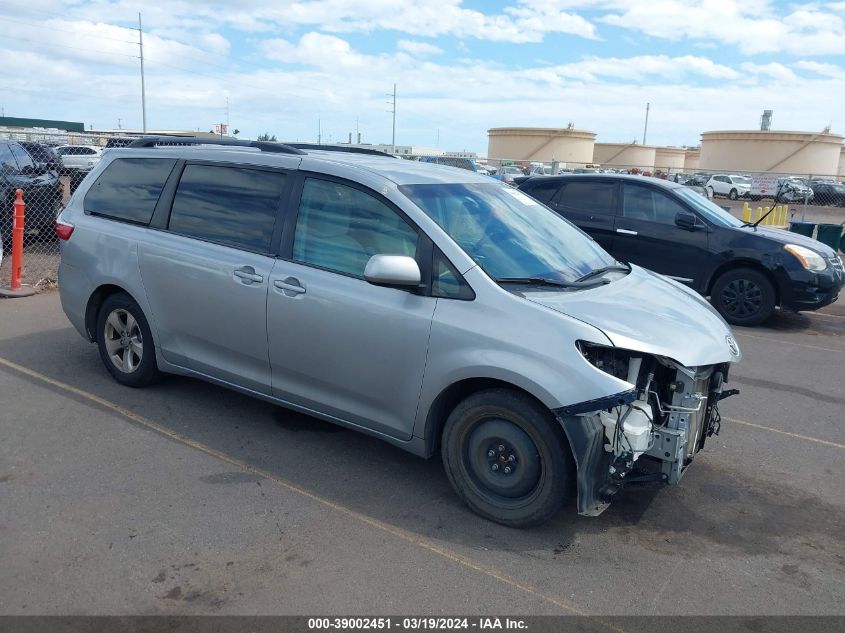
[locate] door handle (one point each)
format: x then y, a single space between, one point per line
248 275
290 286
626 232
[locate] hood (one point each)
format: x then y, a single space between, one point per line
787 237
649 313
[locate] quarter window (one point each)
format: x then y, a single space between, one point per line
589 197
7 160
129 188
543 191
339 227
23 158
644 203
446 282
234 206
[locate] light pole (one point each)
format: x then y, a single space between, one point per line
143 90
645 129
393 111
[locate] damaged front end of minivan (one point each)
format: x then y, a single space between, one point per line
650 432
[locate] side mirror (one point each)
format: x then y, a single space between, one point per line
686 220
392 270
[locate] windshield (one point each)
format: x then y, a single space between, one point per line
713 212
742 180
507 233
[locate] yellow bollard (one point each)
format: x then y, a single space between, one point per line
766 210
759 213
746 212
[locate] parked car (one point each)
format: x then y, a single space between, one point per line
698 189
828 192
78 157
41 190
43 156
430 307
508 173
793 190
451 161
731 186
746 270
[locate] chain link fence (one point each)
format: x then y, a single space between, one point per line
47 168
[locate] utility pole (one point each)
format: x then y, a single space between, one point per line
645 129
227 112
143 89
119 126
393 110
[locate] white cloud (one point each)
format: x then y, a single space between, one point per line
753 26
418 49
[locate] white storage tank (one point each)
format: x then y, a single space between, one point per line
810 153
566 145
625 155
669 158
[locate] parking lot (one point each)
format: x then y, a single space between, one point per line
188 498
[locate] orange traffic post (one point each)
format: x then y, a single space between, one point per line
16 289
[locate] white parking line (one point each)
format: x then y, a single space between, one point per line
795 435
786 342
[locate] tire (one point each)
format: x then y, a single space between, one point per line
733 195
499 429
123 333
743 296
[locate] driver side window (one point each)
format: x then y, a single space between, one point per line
645 203
340 227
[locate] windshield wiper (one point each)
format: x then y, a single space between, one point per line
624 268
543 281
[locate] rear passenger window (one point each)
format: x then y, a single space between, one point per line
129 189
589 197
234 206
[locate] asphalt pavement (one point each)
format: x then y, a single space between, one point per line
186 498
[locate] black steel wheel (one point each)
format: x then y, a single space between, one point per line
507 457
744 296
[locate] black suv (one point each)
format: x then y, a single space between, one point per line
42 192
746 270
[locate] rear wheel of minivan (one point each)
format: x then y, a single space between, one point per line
507 457
743 296
125 341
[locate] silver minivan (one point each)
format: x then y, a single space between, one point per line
432 307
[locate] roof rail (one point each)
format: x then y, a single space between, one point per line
340 148
264 146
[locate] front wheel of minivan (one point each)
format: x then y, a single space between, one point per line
743 296
507 457
125 342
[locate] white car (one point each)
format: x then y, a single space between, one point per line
82 157
728 185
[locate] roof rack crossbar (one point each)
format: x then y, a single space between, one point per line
264 146
340 148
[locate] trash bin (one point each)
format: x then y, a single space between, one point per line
830 234
802 228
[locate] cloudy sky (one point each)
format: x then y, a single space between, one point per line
460 66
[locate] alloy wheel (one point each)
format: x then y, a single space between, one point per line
123 340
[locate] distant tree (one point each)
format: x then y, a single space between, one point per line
235 132
266 137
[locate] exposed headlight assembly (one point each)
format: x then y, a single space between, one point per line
809 259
